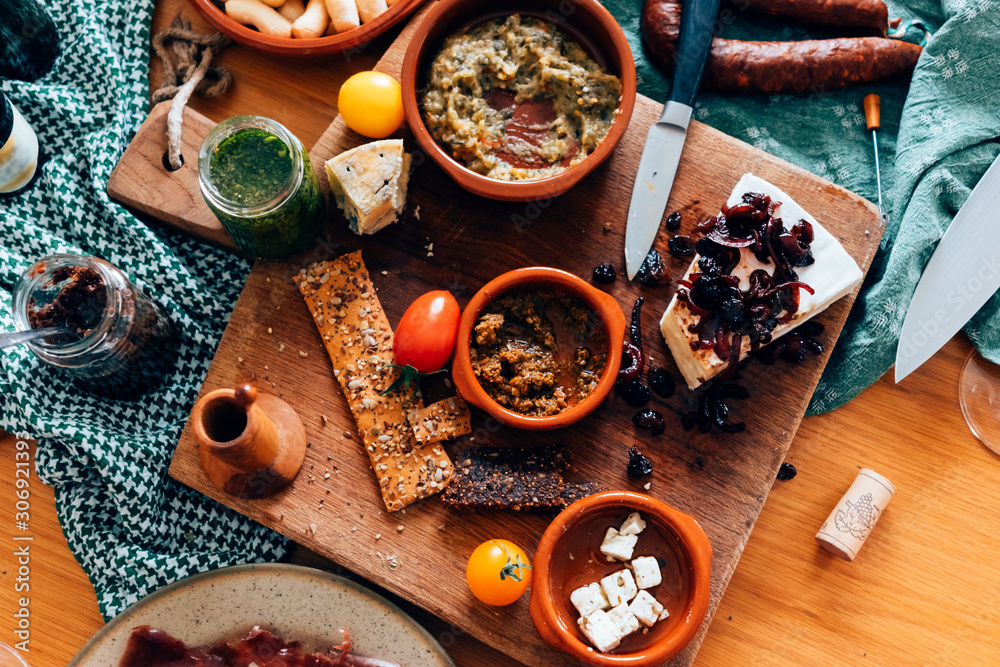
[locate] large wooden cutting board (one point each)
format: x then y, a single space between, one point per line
420 554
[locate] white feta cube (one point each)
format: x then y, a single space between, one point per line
618 546
600 631
619 587
589 599
645 608
647 572
664 615
633 525
624 620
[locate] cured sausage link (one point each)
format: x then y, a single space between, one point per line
780 67
867 17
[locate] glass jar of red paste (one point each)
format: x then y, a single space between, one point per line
122 343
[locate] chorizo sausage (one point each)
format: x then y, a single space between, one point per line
736 66
861 17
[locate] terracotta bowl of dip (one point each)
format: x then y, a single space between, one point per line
568 558
586 22
357 38
552 280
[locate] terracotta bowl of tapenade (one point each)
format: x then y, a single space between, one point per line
538 348
517 100
571 557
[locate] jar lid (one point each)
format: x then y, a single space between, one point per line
6 118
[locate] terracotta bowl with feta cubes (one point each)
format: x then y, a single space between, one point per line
621 578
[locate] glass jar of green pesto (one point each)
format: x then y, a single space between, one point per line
257 179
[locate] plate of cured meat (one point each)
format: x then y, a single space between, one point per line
263 615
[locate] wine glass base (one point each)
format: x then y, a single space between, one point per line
979 396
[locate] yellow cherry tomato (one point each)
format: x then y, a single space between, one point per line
498 572
371 104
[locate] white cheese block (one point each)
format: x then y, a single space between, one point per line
619 587
369 184
633 525
588 599
646 609
647 572
601 632
833 275
625 621
618 546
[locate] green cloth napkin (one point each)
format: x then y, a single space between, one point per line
939 135
132 528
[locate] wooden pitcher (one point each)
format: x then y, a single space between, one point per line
251 444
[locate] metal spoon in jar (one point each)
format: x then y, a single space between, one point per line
18 337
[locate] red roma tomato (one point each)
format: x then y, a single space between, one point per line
426 335
498 572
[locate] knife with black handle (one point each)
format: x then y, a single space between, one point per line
665 142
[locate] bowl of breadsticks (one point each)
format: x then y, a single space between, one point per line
304 27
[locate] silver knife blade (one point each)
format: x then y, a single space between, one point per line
653 182
962 275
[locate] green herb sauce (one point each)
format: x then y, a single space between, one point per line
253 167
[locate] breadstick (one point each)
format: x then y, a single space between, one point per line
343 14
292 9
271 3
313 23
369 9
260 16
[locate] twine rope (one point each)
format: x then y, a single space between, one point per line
194 72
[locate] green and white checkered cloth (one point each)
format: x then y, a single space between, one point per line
131 527
134 530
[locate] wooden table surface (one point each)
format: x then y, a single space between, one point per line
925 589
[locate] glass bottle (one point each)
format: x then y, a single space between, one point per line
18 149
125 343
257 179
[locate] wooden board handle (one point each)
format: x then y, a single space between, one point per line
873 111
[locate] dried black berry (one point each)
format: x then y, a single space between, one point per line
661 382
653 271
638 464
634 392
674 221
650 419
681 246
786 472
605 274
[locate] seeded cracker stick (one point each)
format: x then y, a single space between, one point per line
358 338
445 420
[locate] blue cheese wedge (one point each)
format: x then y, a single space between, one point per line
369 184
833 275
